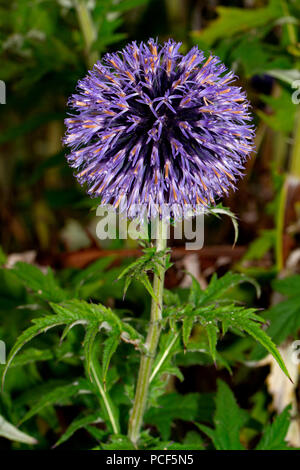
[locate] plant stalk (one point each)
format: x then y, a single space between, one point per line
88 31
295 157
140 400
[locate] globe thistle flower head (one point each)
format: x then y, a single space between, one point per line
152 127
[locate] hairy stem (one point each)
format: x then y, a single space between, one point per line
140 400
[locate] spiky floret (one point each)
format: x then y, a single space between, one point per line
155 127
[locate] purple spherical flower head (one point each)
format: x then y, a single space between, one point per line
154 127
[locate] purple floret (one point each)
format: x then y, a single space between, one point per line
155 127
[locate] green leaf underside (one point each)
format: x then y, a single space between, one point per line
79 423
59 396
9 431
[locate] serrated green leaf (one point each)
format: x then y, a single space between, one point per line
32 355
232 21
275 433
170 298
228 420
211 330
43 285
211 309
219 286
289 286
187 326
41 325
109 347
150 261
79 423
174 406
60 395
283 117
261 245
254 330
88 344
196 292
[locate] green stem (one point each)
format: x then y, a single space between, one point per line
88 31
136 418
291 29
280 227
295 156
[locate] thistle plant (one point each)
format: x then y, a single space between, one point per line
153 127
152 130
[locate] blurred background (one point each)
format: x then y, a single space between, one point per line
47 219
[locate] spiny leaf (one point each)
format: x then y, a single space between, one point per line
74 312
228 420
187 326
44 285
288 286
170 298
32 355
259 335
109 348
219 286
41 325
150 261
232 21
89 340
212 310
275 433
59 395
174 406
79 423
212 334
